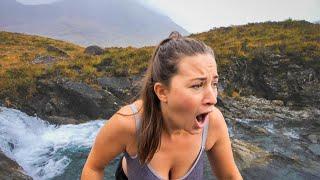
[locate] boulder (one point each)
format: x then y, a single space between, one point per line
93 50
10 169
57 51
122 87
274 77
66 101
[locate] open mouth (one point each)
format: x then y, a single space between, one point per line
201 117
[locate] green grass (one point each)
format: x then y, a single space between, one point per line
298 40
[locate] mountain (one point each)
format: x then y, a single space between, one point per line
101 22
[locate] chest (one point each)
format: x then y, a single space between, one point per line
175 158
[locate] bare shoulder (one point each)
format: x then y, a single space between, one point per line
217 127
124 120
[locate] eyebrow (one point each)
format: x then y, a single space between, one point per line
204 78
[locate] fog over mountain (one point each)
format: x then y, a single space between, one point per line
102 22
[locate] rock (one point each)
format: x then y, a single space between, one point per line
93 50
105 65
273 77
277 102
62 120
122 87
49 109
44 59
9 169
119 86
82 98
260 130
315 149
57 51
247 155
75 101
314 138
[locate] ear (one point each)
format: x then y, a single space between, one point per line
161 91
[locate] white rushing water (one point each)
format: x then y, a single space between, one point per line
37 146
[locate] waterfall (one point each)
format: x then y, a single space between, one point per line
39 148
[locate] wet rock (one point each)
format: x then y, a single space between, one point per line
314 138
57 51
10 170
62 120
315 149
93 50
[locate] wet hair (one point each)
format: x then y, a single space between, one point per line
163 65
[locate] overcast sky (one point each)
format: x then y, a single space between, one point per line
202 15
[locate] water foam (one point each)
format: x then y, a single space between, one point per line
38 146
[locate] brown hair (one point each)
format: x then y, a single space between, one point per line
162 67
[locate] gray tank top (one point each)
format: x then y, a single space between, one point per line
136 171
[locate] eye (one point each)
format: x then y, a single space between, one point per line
214 84
197 86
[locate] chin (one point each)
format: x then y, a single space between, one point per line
194 131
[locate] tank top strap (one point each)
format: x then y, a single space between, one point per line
204 134
136 116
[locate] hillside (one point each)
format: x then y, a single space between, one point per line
292 38
106 23
275 60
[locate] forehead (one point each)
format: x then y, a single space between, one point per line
199 65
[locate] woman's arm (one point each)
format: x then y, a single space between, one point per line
110 142
220 154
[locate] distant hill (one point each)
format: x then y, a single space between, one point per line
101 22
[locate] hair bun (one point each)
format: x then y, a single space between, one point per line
175 35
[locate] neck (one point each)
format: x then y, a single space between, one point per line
169 128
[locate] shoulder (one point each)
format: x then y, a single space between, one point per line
124 118
217 128
122 124
113 138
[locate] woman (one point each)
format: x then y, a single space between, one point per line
165 133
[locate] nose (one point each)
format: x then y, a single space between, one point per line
211 96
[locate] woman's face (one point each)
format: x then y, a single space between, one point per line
192 93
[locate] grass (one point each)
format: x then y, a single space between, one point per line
298 40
